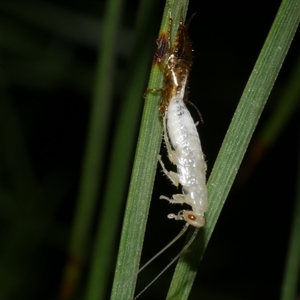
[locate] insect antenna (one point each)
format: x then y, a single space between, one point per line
179 235
198 111
186 246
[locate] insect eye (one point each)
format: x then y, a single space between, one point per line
192 217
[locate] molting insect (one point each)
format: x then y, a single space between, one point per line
181 138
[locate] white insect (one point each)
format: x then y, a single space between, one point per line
180 134
182 143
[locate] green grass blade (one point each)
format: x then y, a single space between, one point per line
282 113
142 177
285 108
238 137
121 157
292 267
95 147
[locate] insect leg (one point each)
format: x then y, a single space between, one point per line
170 174
171 153
177 199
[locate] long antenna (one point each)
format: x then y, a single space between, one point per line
198 111
186 246
179 235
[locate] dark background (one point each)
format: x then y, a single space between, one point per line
47 74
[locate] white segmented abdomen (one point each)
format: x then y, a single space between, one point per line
188 155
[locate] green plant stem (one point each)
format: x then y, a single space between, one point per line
142 177
95 145
291 273
284 109
238 137
121 157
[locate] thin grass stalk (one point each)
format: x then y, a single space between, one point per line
292 267
143 174
286 106
95 147
237 139
121 157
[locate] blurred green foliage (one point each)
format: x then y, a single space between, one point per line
49 52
